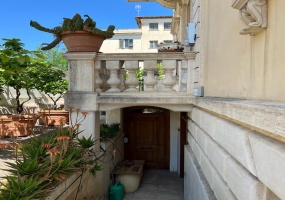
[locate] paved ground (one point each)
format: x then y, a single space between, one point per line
158 185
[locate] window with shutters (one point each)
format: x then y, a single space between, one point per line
126 43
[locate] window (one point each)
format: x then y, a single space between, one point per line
126 43
167 26
153 44
153 26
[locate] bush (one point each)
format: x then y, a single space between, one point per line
108 131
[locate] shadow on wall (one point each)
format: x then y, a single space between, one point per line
39 100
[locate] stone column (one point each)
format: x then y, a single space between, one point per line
81 93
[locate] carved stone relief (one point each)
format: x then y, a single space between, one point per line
253 13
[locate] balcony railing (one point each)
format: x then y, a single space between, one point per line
105 81
117 73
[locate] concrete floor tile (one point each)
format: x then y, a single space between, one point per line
144 195
128 196
169 195
158 185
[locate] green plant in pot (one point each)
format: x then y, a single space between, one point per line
43 163
77 34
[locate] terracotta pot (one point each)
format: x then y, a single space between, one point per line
4 125
54 117
17 125
82 41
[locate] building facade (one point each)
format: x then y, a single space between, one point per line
151 31
225 93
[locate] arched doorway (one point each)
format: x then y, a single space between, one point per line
147 136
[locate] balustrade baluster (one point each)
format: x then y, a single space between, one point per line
131 81
98 80
150 82
183 76
169 81
114 80
122 77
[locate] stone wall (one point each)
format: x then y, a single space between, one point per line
88 186
38 99
225 159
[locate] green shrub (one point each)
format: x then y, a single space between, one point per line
108 131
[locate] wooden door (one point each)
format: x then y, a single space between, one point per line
147 134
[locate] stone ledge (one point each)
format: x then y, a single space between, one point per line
264 117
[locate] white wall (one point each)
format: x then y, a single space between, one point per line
174 139
140 36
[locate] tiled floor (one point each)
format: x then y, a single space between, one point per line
158 185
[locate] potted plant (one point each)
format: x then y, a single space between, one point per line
170 47
19 70
43 163
77 34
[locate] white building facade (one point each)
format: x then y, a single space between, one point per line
151 31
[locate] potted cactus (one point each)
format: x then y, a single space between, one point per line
77 34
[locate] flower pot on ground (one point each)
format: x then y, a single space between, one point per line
17 125
77 34
54 117
5 120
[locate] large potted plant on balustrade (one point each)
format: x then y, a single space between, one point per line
19 71
77 34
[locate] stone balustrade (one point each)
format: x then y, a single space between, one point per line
106 81
111 70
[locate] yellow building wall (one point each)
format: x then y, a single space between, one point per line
243 66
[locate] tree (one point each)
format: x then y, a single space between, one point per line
19 69
53 83
54 57
51 80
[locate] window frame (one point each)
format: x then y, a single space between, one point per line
152 28
167 29
126 43
151 42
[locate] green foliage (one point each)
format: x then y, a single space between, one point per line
160 70
19 69
108 131
46 161
26 167
54 57
139 75
51 79
86 143
18 188
74 24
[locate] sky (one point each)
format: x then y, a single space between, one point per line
15 16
